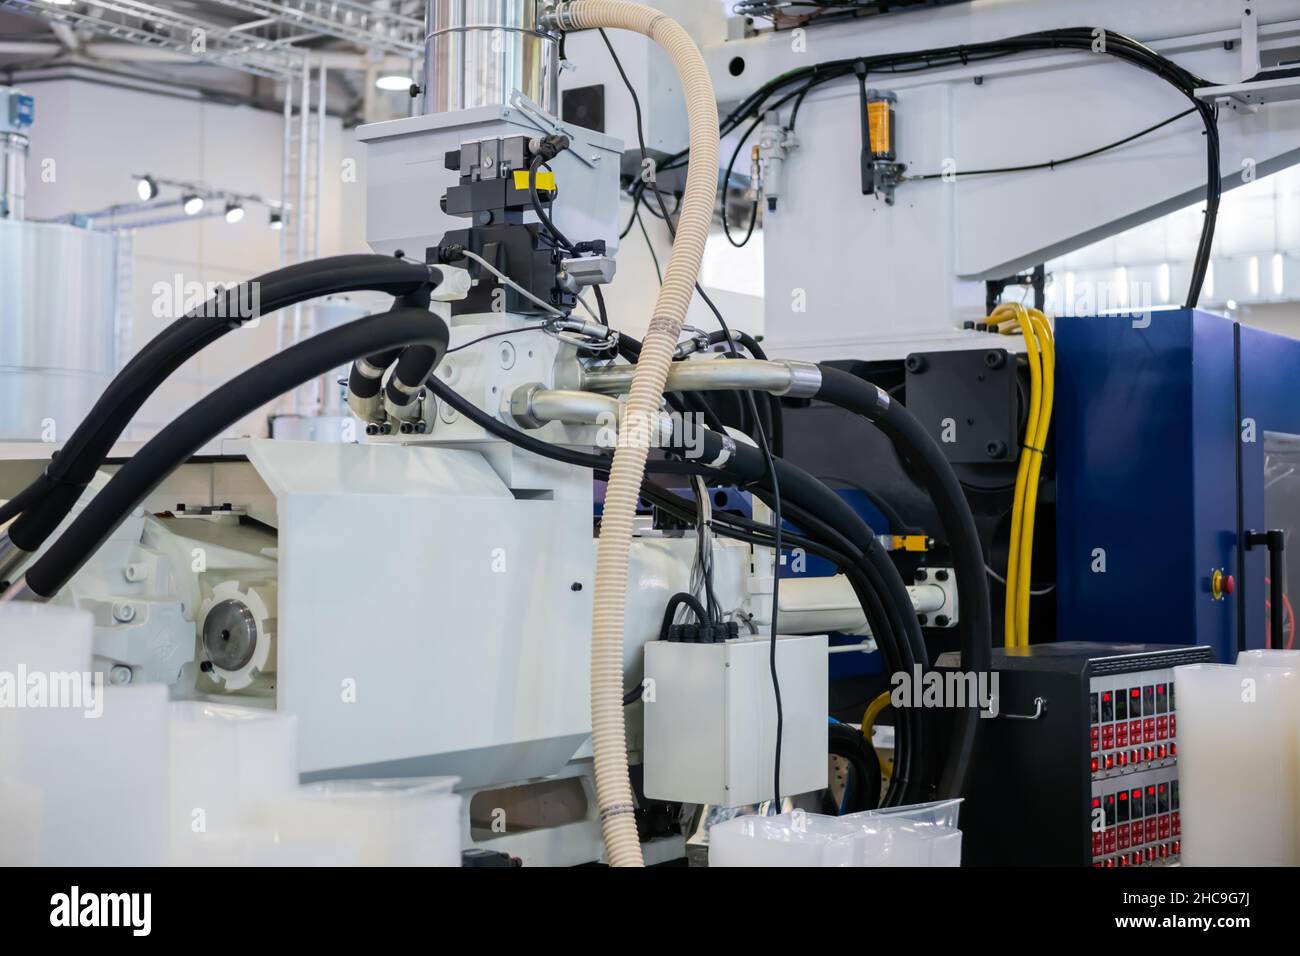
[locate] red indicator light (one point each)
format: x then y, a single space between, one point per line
1137 794
1123 795
1094 770
1096 802
1162 788
1135 693
1105 696
1151 789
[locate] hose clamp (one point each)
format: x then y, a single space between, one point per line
805 379
366 370
726 454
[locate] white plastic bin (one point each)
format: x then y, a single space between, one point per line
920 835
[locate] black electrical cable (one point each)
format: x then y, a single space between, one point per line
676 601
1083 39
216 412
497 335
63 482
537 164
1053 163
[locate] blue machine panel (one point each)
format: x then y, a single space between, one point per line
1270 472
1146 430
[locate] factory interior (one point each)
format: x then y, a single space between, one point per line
677 434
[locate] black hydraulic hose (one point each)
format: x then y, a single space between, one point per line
241 396
939 481
367 375
820 511
70 471
413 367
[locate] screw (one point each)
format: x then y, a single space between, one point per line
124 613
941 575
922 619
941 620
136 572
205 666
996 449
119 674
575 586
915 364
921 574
995 358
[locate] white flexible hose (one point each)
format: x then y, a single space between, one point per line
639 415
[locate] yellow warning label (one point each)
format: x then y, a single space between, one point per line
545 180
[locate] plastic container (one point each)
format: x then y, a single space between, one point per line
919 835
1269 658
225 762
401 822
45 637
923 834
1237 763
86 790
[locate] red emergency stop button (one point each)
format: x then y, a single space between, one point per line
1221 584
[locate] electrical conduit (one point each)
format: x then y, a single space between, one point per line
609 745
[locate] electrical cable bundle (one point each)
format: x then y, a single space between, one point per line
795 85
1040 353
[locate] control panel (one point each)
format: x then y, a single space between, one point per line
1133 763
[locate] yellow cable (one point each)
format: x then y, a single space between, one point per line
1011 634
873 712
1034 453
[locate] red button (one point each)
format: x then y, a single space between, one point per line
1229 584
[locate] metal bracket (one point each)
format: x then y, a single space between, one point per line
547 123
1040 708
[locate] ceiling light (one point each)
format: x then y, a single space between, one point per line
394 83
275 220
146 188
192 204
234 212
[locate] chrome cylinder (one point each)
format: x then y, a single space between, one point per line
781 377
478 52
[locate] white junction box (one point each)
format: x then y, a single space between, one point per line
710 719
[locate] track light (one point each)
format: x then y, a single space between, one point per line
234 212
394 83
275 220
192 204
146 188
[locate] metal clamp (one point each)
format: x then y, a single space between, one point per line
1040 708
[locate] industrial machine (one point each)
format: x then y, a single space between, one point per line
904 473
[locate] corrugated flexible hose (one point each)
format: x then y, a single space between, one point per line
640 414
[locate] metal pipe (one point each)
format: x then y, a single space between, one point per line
478 52
533 406
781 377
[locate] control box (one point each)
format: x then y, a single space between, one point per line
1080 766
710 719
